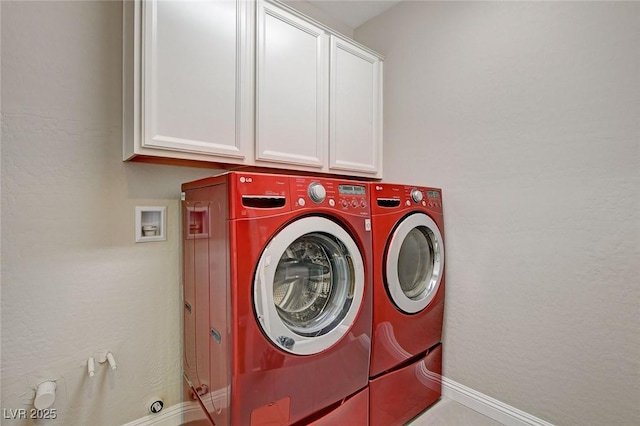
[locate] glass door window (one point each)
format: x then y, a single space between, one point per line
313 284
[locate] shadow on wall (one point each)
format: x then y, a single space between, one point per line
159 181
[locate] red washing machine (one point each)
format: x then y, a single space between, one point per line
408 282
277 304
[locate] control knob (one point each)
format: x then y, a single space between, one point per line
316 192
416 196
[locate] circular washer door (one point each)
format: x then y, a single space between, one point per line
309 286
414 263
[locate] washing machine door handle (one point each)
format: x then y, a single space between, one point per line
286 342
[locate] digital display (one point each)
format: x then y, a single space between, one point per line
351 190
433 194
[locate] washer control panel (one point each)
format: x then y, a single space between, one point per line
346 196
425 197
395 197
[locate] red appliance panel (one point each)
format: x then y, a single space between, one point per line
274 414
249 380
351 411
264 373
207 297
255 195
342 196
398 336
399 396
249 194
431 201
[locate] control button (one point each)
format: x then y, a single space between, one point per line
301 202
408 203
363 204
345 203
354 203
332 202
416 195
316 192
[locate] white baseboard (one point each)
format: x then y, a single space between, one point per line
484 404
490 407
172 416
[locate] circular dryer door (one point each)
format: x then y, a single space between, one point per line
414 263
309 286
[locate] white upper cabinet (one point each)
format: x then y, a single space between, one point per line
192 79
246 82
190 90
291 88
355 143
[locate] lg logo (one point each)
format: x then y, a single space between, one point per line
244 179
378 188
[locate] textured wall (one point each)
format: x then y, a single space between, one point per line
527 114
73 279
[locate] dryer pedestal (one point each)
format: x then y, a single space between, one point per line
398 396
353 410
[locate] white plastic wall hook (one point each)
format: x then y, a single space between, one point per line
101 355
91 366
112 361
45 395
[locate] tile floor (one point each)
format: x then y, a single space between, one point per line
445 412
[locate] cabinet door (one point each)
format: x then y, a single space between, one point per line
292 87
355 142
197 90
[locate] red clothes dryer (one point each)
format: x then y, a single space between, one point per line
277 309
408 283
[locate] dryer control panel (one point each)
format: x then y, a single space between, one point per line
345 196
387 197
